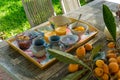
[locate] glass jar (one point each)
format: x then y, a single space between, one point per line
23 41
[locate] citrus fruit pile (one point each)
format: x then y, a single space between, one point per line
103 69
109 69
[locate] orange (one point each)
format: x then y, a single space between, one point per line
111 55
110 51
105 77
99 63
48 34
73 67
113 67
88 47
112 60
118 59
98 71
111 45
118 74
80 52
105 69
79 28
60 31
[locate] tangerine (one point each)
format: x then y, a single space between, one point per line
106 69
105 77
73 67
80 52
60 31
118 74
118 59
99 63
88 47
113 67
112 60
111 44
98 71
111 55
110 51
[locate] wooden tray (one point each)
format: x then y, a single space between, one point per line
45 62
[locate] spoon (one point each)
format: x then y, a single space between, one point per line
78 19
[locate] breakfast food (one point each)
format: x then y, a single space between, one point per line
48 34
79 28
23 41
60 31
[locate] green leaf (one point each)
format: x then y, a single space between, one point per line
67 58
100 55
95 51
75 75
109 21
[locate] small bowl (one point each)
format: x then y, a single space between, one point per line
69 40
78 32
59 20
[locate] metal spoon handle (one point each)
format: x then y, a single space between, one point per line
78 19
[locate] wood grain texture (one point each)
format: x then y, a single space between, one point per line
22 69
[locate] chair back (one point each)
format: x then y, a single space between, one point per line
38 11
69 5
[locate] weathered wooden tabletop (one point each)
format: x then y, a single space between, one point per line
22 69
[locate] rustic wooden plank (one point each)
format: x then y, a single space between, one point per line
61 74
3 43
51 71
25 66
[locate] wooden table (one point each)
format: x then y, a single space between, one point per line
22 69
